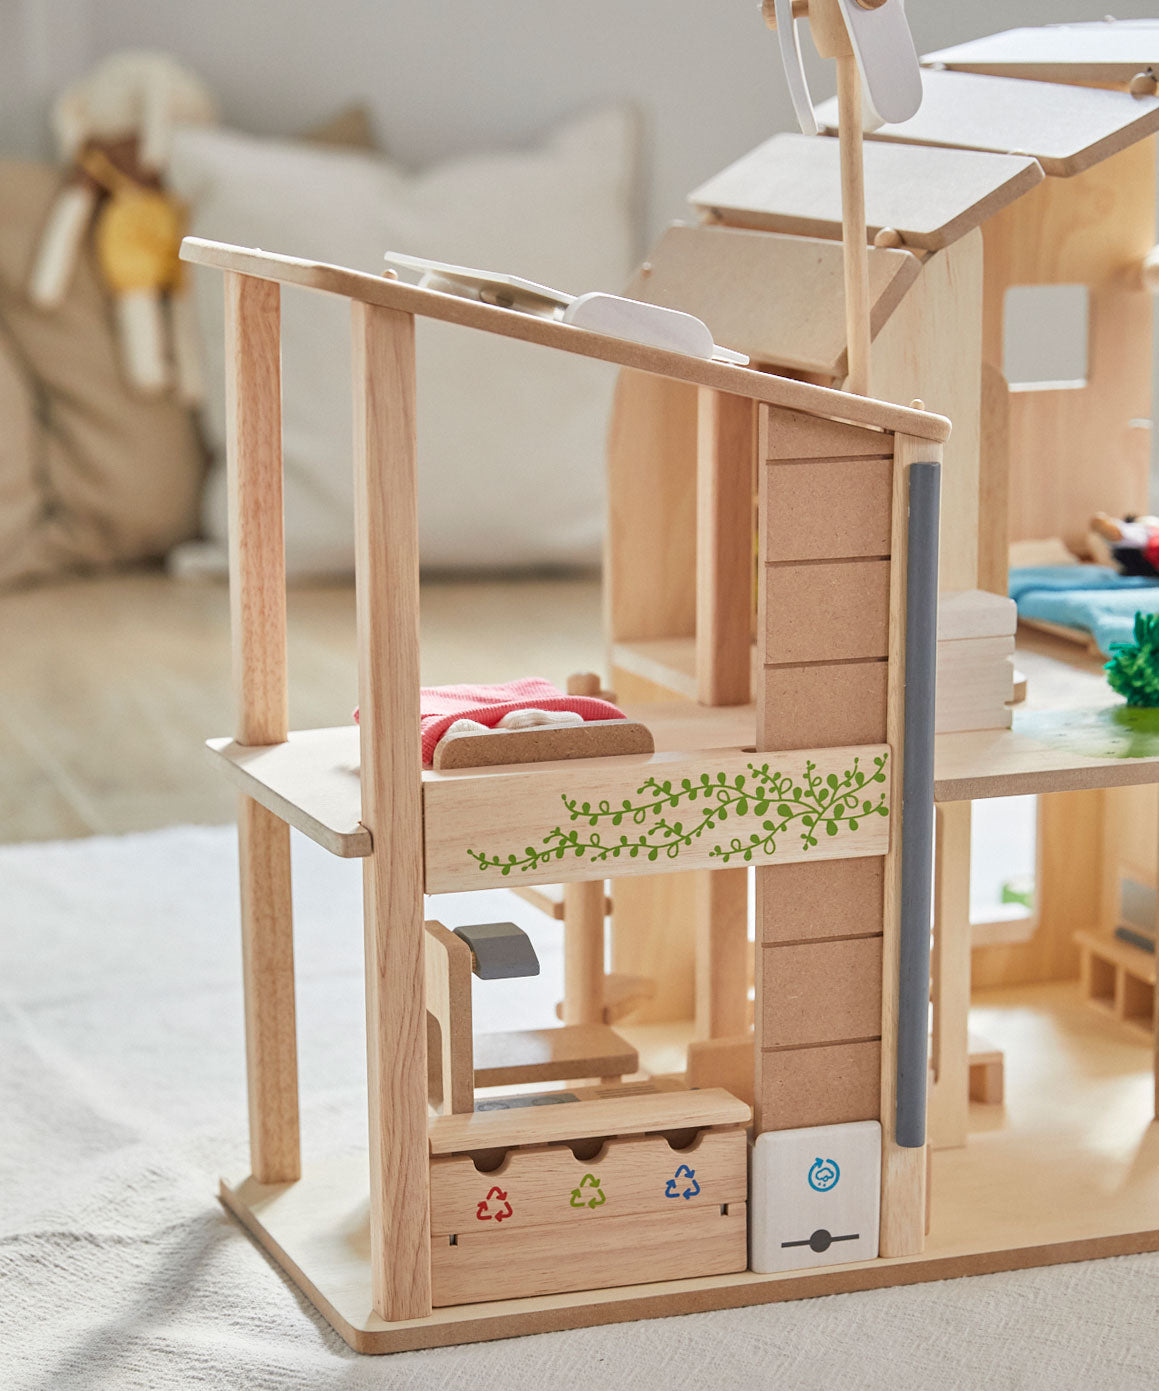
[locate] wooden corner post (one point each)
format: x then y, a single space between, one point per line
258 621
387 588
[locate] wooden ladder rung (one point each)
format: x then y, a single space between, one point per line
622 994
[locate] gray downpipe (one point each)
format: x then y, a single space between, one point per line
917 803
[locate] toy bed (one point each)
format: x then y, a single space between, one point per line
1083 601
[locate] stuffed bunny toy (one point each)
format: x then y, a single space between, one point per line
113 128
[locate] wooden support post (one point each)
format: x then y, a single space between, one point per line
725 481
903 1169
722 949
853 232
583 952
1154 1027
258 620
950 1097
387 580
584 911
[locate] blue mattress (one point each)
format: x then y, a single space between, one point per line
1095 599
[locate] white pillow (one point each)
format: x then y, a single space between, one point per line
511 436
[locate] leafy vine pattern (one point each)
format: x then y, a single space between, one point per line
817 805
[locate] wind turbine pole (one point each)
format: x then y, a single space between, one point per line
854 241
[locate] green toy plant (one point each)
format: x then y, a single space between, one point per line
1133 670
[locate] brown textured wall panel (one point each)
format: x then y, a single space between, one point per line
820 992
826 611
824 706
828 508
810 901
819 1086
786 434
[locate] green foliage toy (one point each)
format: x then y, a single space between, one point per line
1133 670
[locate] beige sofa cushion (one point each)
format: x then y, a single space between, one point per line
90 474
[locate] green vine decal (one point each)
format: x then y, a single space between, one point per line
819 805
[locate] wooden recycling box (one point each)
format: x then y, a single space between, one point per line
550 1198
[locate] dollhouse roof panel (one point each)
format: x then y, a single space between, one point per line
1067 129
549 333
1110 50
932 196
779 299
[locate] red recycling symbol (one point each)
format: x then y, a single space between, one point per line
483 1212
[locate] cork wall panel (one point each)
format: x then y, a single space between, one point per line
818 1086
812 901
826 611
827 509
807 707
820 992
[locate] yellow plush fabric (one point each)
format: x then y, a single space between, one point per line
91 475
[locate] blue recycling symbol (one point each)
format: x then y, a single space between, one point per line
672 1188
823 1174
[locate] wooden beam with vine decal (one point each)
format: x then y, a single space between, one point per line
669 811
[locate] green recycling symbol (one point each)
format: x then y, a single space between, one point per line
580 1199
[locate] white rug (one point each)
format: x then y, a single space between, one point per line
122 1099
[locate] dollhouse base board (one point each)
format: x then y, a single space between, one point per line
1067 1170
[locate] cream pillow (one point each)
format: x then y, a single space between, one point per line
511 436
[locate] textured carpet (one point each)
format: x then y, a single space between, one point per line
122 1099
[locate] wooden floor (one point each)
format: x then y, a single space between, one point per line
1064 1170
109 687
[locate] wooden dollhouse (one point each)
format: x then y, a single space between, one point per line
1004 179
775 629
379 1247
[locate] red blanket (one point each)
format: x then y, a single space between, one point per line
441 706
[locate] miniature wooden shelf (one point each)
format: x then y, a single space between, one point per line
1118 979
552 1055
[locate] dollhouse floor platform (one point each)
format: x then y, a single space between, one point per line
312 780
1067 1169
1072 733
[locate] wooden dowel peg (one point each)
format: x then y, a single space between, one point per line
853 233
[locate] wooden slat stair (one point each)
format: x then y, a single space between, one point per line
552 1055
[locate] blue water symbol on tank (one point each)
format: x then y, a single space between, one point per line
823 1174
